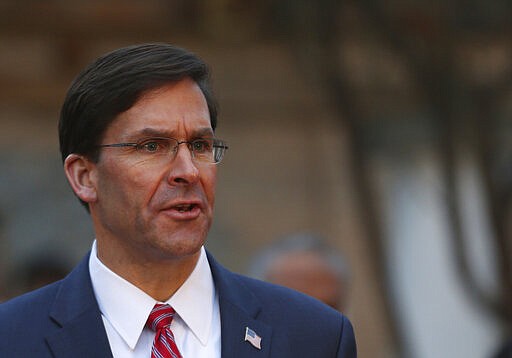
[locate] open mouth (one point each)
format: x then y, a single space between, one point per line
189 210
183 208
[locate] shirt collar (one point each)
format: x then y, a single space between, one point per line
193 301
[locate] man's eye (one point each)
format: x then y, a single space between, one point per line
201 146
153 145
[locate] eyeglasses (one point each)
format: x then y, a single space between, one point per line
204 150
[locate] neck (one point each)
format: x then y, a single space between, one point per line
160 278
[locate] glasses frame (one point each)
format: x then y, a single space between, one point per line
217 143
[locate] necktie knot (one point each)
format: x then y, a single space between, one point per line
159 320
160 317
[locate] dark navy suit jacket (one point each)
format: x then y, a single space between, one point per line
63 320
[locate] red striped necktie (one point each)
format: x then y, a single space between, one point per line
159 320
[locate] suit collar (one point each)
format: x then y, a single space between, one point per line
83 334
239 309
76 311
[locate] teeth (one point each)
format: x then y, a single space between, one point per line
183 208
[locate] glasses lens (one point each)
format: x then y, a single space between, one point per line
205 150
208 150
202 149
219 147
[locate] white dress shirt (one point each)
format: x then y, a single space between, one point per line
125 310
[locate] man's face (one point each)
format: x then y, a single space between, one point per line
308 273
151 210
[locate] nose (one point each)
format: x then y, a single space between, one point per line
183 170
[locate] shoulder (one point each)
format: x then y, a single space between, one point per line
293 317
31 304
28 315
303 318
276 300
283 301
75 289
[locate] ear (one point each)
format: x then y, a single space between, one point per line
81 174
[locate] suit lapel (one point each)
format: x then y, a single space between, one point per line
76 311
234 322
239 309
83 334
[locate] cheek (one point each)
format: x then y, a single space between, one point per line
209 180
127 187
142 190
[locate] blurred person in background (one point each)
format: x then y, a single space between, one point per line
42 270
137 139
37 271
306 263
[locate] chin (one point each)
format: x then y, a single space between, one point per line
182 246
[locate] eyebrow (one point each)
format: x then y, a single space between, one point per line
153 132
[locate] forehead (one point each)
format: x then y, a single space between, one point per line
177 109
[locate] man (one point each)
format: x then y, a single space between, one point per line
137 140
305 262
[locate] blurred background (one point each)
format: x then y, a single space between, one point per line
384 126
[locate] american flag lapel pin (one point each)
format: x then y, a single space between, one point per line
252 338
